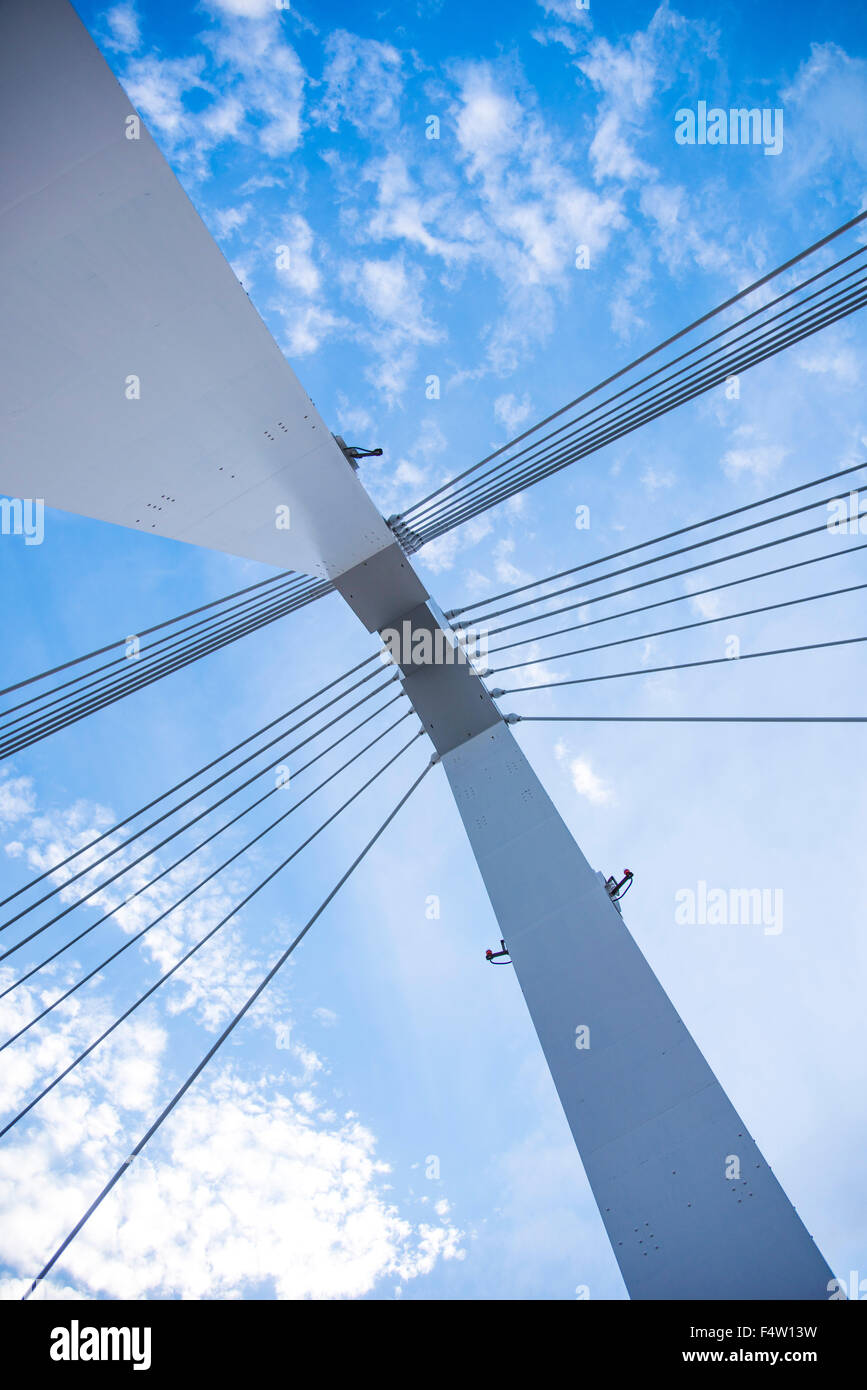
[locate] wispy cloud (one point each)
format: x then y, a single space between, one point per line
512 411
363 82
256 1180
585 780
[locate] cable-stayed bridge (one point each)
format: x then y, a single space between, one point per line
226 442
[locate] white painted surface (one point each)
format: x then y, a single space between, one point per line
653 1126
107 272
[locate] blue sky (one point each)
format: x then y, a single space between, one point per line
298 1166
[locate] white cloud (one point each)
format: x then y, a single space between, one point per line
246 9
505 570
363 83
404 211
250 1182
761 461
17 798
530 210
301 297
511 207
585 780
157 87
391 292
634 285
512 412
826 138
230 220
476 583
828 358
528 191
353 417
680 239
214 982
307 327
264 75
536 674
531 674
244 1188
255 84
440 554
706 605
654 480
397 483
124 31
570 32
630 75
298 268
224 120
589 784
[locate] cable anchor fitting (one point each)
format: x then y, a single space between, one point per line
616 890
354 452
409 540
493 957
